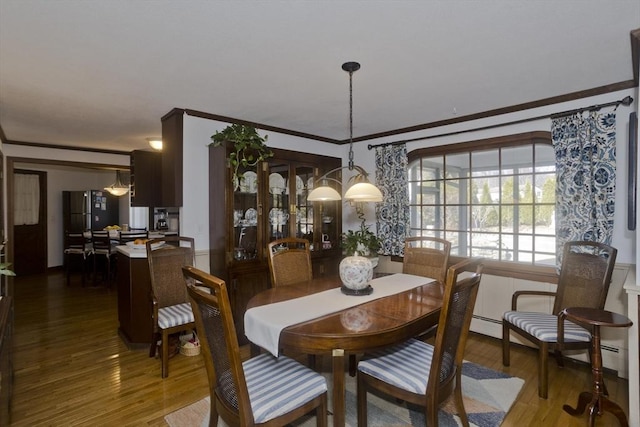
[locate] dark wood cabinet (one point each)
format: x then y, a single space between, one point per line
134 302
172 127
265 203
6 363
146 178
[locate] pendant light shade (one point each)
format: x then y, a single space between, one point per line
155 143
323 193
362 190
117 188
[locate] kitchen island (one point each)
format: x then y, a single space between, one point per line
134 302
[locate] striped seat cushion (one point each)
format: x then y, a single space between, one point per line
544 326
405 365
278 385
175 315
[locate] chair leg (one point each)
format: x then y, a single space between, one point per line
213 413
165 353
154 344
543 370
559 359
459 401
361 394
505 344
321 414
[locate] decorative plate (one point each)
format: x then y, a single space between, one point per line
276 183
310 184
251 215
299 186
249 182
277 216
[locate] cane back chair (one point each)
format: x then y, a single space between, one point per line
585 275
421 373
171 309
263 390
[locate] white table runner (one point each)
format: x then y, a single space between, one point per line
263 324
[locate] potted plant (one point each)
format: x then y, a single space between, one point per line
363 241
248 147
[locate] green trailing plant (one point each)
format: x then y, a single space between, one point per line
4 269
248 147
363 241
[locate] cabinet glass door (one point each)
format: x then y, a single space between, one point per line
278 215
304 212
245 215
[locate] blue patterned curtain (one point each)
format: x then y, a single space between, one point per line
585 148
393 212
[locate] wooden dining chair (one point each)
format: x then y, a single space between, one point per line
421 373
102 249
289 261
263 390
585 275
76 247
426 256
171 310
132 235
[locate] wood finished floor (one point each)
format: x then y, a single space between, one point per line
72 369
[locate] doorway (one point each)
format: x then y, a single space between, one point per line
30 222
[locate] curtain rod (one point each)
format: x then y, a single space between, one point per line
626 101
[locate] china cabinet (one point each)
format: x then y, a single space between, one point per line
262 204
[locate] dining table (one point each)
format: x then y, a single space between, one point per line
317 318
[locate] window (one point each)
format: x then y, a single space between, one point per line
492 198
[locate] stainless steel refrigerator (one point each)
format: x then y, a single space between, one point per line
89 210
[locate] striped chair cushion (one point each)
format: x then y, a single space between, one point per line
544 326
405 365
278 385
175 315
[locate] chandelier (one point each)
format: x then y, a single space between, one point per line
362 190
117 188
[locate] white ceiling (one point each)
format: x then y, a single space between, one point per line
101 74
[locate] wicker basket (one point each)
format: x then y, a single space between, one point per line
189 345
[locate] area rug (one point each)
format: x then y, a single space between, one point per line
488 395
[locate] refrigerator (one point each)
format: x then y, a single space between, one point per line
89 210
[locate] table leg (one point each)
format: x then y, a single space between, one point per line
338 388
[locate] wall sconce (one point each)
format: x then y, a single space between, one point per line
155 143
117 188
362 190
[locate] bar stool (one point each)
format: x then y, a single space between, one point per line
596 400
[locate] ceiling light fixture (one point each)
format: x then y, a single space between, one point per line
362 190
117 188
155 143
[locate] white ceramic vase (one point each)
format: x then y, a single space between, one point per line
356 272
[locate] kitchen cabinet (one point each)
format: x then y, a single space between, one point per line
134 302
265 203
146 178
172 126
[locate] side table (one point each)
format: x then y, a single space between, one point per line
595 400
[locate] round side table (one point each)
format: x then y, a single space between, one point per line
595 400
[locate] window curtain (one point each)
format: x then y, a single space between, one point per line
26 199
393 212
585 150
